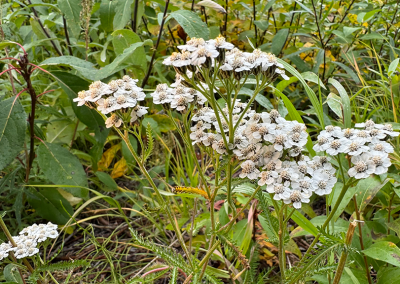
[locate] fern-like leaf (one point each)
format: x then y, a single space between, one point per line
234 249
150 142
271 220
174 276
311 263
167 254
64 265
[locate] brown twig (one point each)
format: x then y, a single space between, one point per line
155 48
44 30
67 36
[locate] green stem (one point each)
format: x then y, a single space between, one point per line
228 226
361 240
330 216
343 257
125 137
281 251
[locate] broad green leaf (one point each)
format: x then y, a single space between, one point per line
125 150
122 39
389 275
373 35
262 25
107 13
312 96
72 84
345 102
349 30
85 68
279 41
123 11
348 70
344 201
384 251
164 122
294 115
49 204
335 103
393 66
61 167
263 101
117 64
395 226
367 189
108 181
304 223
312 77
72 9
12 130
191 23
11 274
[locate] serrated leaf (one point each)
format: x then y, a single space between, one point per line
71 9
191 23
61 167
12 130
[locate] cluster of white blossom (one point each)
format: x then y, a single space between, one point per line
232 62
114 97
266 142
366 146
28 240
178 96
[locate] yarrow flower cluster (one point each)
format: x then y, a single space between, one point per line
114 98
198 53
262 140
367 146
28 240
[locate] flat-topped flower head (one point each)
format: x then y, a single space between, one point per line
382 146
82 98
249 170
113 120
363 166
267 177
381 162
280 191
297 197
193 44
138 112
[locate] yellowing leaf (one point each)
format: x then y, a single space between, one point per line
119 169
108 156
69 197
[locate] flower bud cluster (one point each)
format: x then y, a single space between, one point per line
114 98
28 240
367 146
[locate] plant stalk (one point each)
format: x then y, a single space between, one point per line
343 257
361 240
